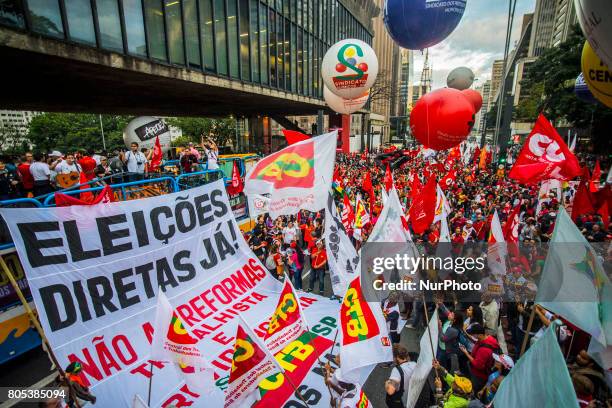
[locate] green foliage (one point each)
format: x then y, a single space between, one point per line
550 82
68 132
182 140
222 130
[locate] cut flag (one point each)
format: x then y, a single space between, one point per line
594 182
369 188
424 362
422 211
348 215
575 285
496 249
365 340
293 136
449 180
65 200
173 343
544 156
236 186
252 362
342 258
287 321
583 200
540 377
388 178
296 177
362 217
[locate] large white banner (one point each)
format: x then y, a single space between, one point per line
94 272
342 257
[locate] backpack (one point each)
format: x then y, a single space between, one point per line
496 350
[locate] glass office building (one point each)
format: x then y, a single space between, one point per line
276 43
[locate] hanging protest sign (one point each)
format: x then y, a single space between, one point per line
94 272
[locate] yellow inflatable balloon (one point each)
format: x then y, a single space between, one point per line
597 75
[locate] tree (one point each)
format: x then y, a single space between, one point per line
68 132
222 130
550 83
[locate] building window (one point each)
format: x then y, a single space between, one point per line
244 40
206 27
46 18
280 51
174 27
232 37
80 21
221 42
294 57
287 53
134 27
11 13
192 38
273 41
255 46
264 39
155 29
300 61
109 24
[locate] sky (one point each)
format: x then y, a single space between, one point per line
477 41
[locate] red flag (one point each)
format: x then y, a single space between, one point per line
423 209
416 186
511 231
544 156
511 228
348 216
87 196
583 201
236 186
482 163
605 216
65 200
157 156
388 178
594 182
448 180
369 188
293 136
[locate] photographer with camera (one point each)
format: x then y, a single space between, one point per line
135 161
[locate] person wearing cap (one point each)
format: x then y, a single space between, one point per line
318 259
503 365
481 358
460 391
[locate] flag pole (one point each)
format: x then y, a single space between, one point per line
526 338
433 352
36 324
569 349
150 383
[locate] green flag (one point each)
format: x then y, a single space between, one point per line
539 378
574 283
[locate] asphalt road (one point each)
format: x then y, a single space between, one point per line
34 367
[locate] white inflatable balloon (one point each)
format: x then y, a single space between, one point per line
460 78
595 17
144 129
349 68
344 106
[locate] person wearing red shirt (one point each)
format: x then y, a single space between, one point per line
27 181
318 262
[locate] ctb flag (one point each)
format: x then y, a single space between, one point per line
365 339
287 321
251 364
544 156
296 177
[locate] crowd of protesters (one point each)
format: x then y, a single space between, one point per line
480 339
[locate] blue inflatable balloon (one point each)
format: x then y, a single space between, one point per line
582 91
418 24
